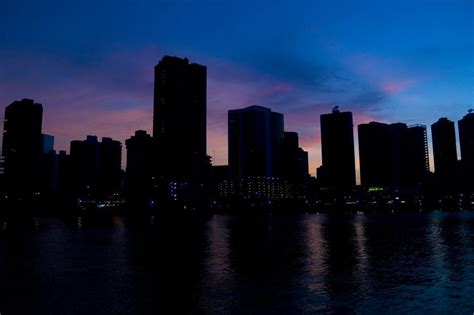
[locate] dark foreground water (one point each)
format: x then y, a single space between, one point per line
391 263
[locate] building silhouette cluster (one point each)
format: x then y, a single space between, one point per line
96 167
265 162
170 169
393 155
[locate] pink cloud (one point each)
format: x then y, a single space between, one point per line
390 76
395 87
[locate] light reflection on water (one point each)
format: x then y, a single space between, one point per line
239 264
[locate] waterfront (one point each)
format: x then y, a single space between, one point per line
362 263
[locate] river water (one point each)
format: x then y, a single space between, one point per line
266 264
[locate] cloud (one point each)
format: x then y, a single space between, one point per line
295 69
389 76
395 87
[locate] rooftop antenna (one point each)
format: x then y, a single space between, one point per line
335 109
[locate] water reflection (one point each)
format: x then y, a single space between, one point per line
316 253
315 267
239 264
214 292
341 262
362 256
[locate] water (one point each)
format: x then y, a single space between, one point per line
390 263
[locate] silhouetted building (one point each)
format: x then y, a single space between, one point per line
2 165
294 160
49 172
2 176
96 167
398 154
255 135
408 155
444 152
466 141
22 146
48 168
110 179
321 175
85 165
222 184
138 180
220 173
417 163
337 146
179 118
47 143
393 155
64 175
263 189
374 155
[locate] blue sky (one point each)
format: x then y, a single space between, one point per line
91 64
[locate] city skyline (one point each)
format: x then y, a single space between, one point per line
354 135
106 87
258 142
237 156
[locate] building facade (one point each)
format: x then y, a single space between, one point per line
22 147
179 119
96 167
138 175
466 141
337 148
374 155
255 136
444 152
393 155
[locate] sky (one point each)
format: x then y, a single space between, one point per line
90 63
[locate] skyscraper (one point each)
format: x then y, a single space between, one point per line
409 161
255 136
49 165
337 146
466 140
444 151
65 178
397 138
179 118
374 155
96 166
138 177
22 146
294 160
47 143
393 155
84 156
110 164
416 164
